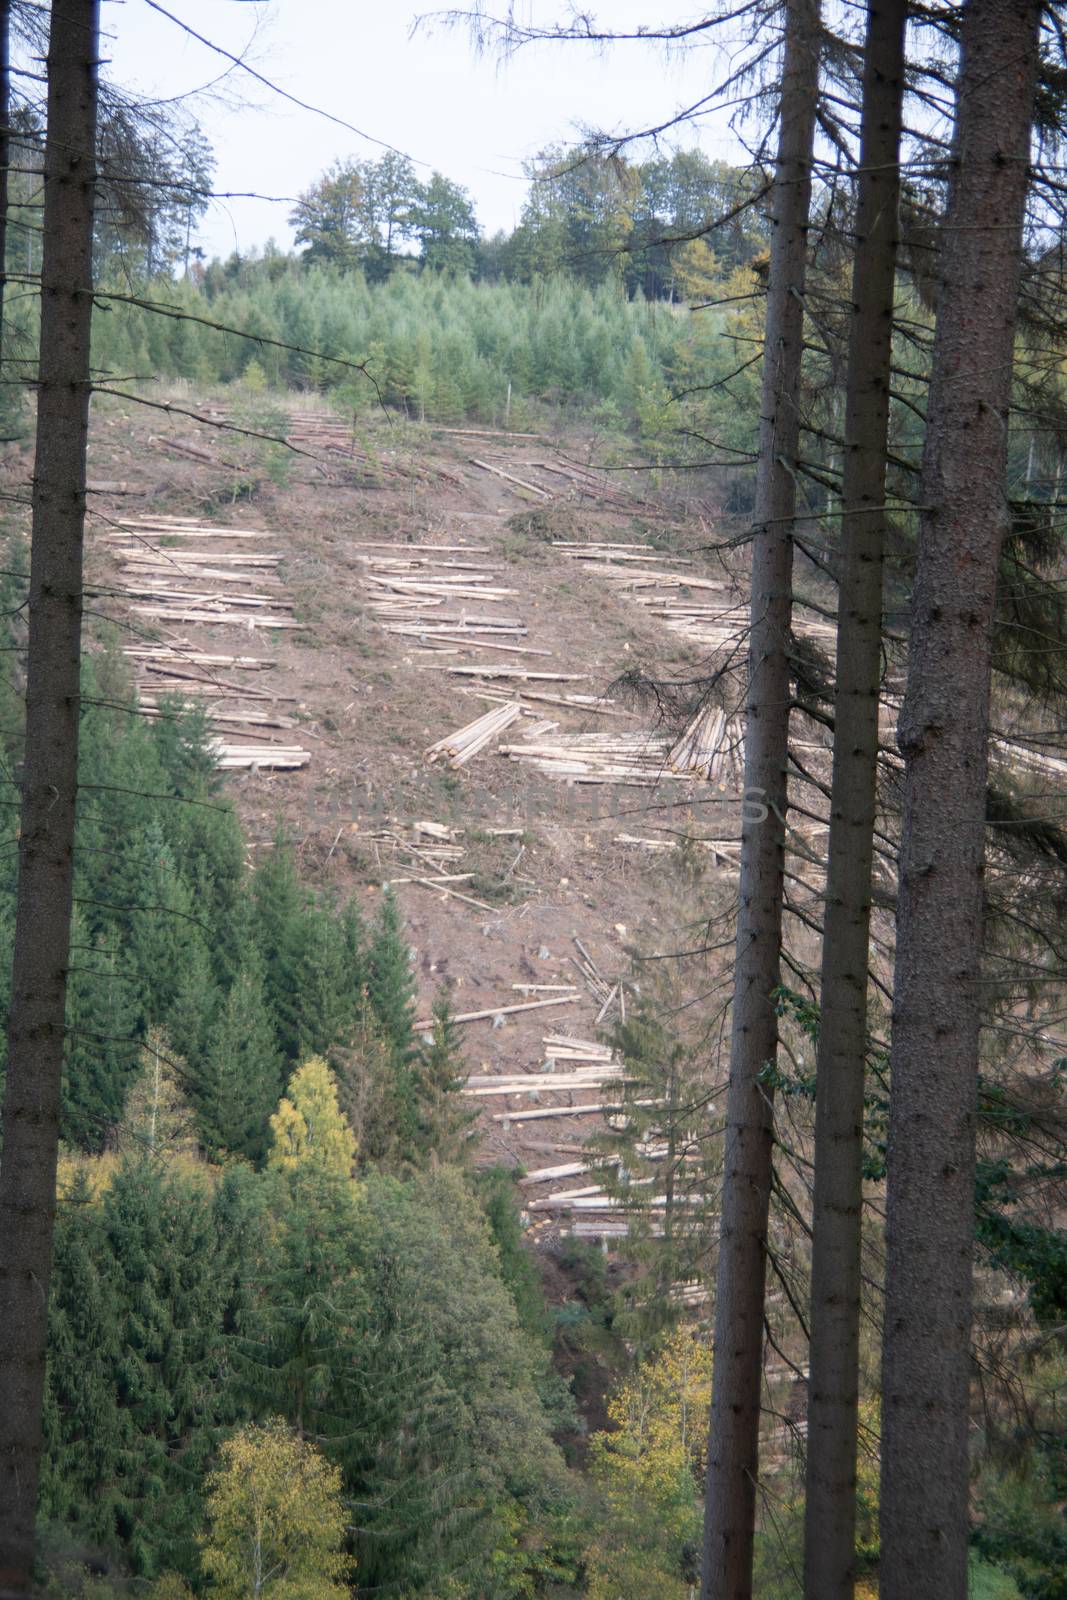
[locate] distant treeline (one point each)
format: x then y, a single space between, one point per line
663 227
584 305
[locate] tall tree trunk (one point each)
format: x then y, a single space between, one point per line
49 779
833 1386
5 158
733 1445
943 736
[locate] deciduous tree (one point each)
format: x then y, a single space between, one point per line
277 1520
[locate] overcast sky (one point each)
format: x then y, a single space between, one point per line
431 95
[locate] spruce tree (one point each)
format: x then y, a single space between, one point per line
239 1077
164 941
943 732
374 1092
206 839
446 1457
49 776
138 1374
171 1269
328 997
87 1434
157 1120
443 1119
100 1060
731 1483
302 1337
390 984
190 1019
279 927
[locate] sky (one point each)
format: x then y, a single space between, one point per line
427 92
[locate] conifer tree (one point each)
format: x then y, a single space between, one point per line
443 1120
164 942
103 1020
190 1019
138 1375
157 1119
837 1206
239 1078
49 777
943 732
733 1436
661 1153
278 927
329 996
374 1091
303 1334
444 1458
87 1434
390 984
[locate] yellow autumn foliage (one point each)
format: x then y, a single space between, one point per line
276 1520
649 1470
308 1129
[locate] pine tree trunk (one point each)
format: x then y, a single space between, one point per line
943 736
49 780
733 1444
833 1386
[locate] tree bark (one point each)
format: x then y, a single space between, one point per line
733 1445
833 1385
943 736
5 156
49 779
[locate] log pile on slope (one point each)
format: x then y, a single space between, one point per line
176 572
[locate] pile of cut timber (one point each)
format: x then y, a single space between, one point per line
458 748
708 748
628 758
603 989
590 704
725 852
325 434
682 600
177 570
545 477
444 604
433 847
173 570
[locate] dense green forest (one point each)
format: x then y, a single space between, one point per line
268 1210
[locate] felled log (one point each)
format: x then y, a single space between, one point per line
499 472
506 1011
461 746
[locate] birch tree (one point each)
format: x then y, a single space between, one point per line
733 1448
943 735
49 779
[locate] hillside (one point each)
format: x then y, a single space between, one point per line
552 885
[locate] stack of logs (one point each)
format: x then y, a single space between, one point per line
683 601
177 571
544 477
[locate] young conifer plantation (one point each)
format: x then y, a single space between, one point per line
620 1152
